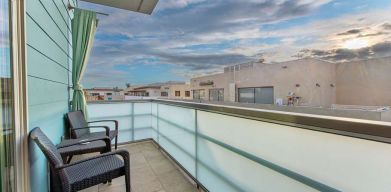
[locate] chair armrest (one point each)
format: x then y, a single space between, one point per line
123 153
105 139
95 127
115 122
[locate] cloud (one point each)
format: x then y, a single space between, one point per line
386 26
351 32
373 34
339 55
205 61
125 38
175 4
201 37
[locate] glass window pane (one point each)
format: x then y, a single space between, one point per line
7 131
213 95
221 95
246 95
216 94
264 95
196 94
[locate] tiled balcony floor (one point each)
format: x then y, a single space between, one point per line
151 171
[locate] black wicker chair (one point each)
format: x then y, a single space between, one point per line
84 173
80 128
70 147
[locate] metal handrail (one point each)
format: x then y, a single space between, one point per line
379 131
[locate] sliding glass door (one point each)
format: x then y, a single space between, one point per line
7 129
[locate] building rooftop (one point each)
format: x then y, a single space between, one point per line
103 89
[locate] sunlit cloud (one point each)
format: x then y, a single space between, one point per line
197 37
355 43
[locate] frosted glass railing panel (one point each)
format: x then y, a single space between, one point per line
121 112
222 170
107 110
142 108
176 127
238 154
344 163
142 121
143 127
154 121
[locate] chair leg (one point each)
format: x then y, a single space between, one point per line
116 142
127 182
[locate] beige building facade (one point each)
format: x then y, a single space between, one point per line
166 91
177 91
311 82
366 82
101 93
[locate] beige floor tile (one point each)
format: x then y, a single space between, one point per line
91 189
137 160
151 154
151 186
150 171
142 174
147 146
114 183
133 148
174 181
161 165
118 188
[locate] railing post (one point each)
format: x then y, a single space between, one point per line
132 128
157 119
196 142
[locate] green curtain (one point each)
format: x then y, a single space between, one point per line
83 32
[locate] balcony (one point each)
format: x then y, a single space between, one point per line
151 170
223 148
343 56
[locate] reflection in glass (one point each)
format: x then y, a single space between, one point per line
7 174
216 95
246 95
264 95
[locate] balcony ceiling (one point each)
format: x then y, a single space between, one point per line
141 6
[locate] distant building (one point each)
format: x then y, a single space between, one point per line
142 91
176 91
304 82
102 93
161 90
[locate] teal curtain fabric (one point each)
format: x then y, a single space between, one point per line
83 32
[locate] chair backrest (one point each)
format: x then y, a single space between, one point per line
76 120
47 147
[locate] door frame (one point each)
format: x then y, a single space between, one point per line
19 67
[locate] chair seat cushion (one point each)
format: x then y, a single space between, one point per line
95 170
100 134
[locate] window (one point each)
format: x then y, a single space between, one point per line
164 94
177 93
94 94
261 95
246 95
187 93
216 95
264 95
199 94
7 127
109 94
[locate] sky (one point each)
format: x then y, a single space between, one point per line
5 65
189 38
